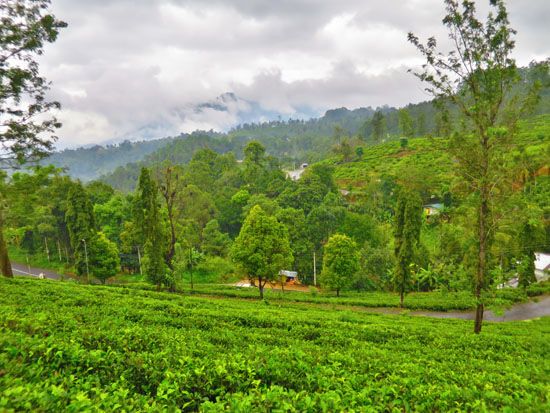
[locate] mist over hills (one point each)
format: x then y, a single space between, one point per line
304 138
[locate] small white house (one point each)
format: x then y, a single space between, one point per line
542 266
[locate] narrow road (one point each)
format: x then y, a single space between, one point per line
21 269
538 307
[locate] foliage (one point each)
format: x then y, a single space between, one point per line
104 260
408 223
340 262
148 216
262 248
71 347
80 221
478 76
25 133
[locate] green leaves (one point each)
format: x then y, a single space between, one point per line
25 28
340 262
262 248
130 349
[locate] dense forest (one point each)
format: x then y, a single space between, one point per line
201 206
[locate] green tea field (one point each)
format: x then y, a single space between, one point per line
70 347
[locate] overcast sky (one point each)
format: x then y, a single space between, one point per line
139 68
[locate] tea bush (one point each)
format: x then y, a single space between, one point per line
70 347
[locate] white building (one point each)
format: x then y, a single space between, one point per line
542 266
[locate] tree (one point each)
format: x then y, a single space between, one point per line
408 222
405 123
80 221
214 242
149 215
5 265
378 123
262 248
25 132
530 237
302 249
169 188
478 76
340 262
103 256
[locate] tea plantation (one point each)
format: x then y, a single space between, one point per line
69 347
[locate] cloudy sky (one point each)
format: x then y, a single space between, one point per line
142 68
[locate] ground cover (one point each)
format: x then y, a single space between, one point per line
435 300
427 154
65 346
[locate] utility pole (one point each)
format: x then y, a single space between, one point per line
59 250
314 270
139 261
86 256
47 249
28 264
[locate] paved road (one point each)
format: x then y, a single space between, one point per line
21 269
539 307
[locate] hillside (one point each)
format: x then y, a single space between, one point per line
292 141
75 347
89 163
432 165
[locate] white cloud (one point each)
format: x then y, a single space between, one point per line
138 68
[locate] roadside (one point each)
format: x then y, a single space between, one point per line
24 270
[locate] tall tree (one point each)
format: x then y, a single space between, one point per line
406 123
149 213
25 132
478 76
262 248
408 222
169 187
378 123
80 224
340 262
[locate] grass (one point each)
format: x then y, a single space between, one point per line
69 347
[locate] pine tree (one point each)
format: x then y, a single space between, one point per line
408 222
148 218
80 222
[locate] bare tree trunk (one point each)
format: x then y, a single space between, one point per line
5 265
401 296
261 287
482 256
337 292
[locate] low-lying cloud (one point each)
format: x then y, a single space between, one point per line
144 69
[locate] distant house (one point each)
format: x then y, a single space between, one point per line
542 270
432 209
291 276
304 165
542 266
